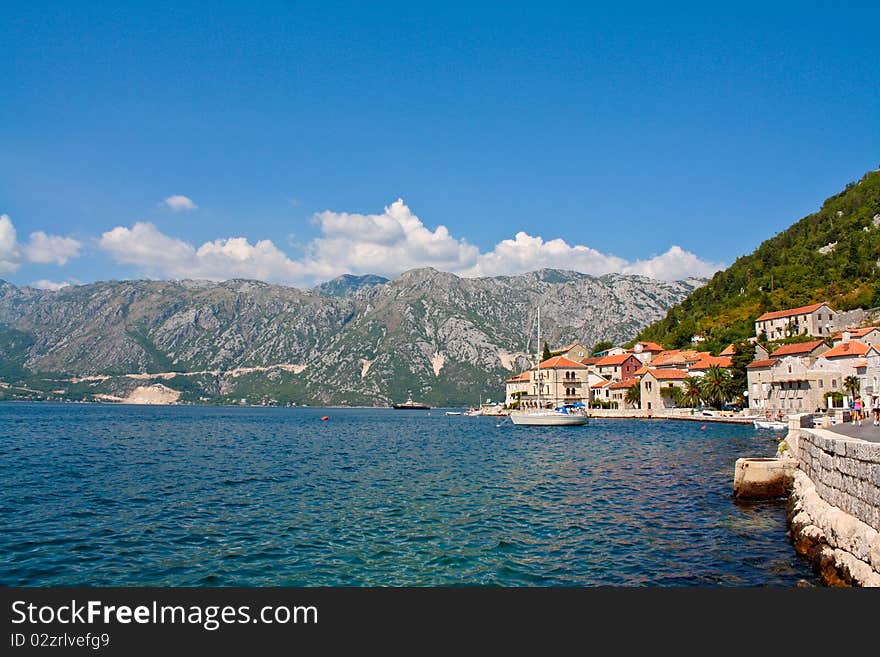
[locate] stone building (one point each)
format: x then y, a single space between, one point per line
617 367
655 387
561 381
817 319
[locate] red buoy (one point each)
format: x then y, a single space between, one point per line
325 418
703 428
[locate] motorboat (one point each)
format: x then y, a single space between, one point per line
409 404
775 425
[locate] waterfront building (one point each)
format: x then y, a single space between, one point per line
618 390
515 387
656 385
817 319
601 391
760 377
561 381
804 377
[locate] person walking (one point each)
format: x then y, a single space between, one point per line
857 410
876 411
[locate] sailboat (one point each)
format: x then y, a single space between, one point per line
561 416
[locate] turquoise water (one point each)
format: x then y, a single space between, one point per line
192 496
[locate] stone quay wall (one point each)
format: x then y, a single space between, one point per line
834 507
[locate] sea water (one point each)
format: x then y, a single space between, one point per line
196 496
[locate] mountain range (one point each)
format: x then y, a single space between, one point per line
352 341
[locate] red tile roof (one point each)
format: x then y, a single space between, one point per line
625 384
560 362
602 384
650 346
760 363
708 361
803 310
664 375
518 378
678 357
642 370
797 348
591 360
844 349
619 359
729 350
856 332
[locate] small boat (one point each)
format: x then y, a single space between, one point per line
453 412
547 418
409 404
775 425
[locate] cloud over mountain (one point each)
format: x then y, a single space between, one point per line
385 243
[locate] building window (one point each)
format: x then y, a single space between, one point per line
821 383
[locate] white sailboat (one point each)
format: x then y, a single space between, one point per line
559 417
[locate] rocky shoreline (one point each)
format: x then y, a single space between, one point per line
834 505
844 550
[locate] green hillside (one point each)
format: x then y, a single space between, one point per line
788 270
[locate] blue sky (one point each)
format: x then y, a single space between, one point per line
603 136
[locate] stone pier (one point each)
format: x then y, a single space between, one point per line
834 506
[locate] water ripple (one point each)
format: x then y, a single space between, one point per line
187 496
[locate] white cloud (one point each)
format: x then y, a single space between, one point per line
9 251
51 249
44 284
42 248
157 254
527 253
386 243
179 203
673 265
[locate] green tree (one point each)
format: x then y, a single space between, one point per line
546 355
852 385
715 386
634 396
602 345
674 394
743 355
692 392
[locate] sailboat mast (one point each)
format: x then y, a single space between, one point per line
539 357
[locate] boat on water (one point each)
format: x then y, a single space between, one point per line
548 418
453 412
565 415
409 404
771 424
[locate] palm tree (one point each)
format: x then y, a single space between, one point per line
716 385
692 391
852 385
634 396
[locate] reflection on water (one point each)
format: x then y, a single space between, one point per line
181 496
